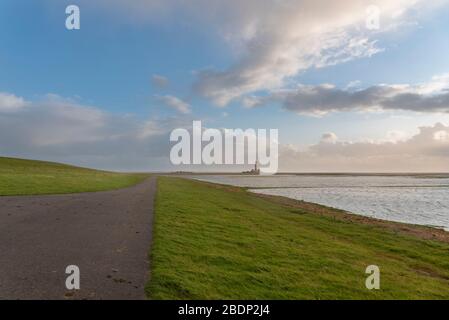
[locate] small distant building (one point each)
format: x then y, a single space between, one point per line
255 171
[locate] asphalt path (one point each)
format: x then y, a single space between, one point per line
107 235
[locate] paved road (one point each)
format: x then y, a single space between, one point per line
106 234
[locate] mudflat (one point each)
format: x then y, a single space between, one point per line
106 234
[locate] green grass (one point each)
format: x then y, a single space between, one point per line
30 177
214 242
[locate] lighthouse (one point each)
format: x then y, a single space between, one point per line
256 167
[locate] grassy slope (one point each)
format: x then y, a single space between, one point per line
213 242
24 177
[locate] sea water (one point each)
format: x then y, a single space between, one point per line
415 199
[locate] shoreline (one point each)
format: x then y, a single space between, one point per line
420 231
425 232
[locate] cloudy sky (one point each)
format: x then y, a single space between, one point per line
347 91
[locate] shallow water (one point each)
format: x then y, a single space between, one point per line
410 199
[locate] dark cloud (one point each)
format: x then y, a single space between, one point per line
323 99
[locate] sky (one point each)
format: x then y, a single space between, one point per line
348 91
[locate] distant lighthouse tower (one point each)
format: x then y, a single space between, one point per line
256 167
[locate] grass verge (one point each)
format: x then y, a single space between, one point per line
30 177
219 242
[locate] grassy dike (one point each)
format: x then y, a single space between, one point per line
30 177
220 242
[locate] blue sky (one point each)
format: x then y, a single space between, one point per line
109 63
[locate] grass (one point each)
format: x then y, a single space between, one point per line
217 242
30 177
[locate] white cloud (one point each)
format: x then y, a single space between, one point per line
329 137
273 40
159 81
396 136
442 135
353 84
60 129
281 39
427 151
10 102
252 101
174 103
